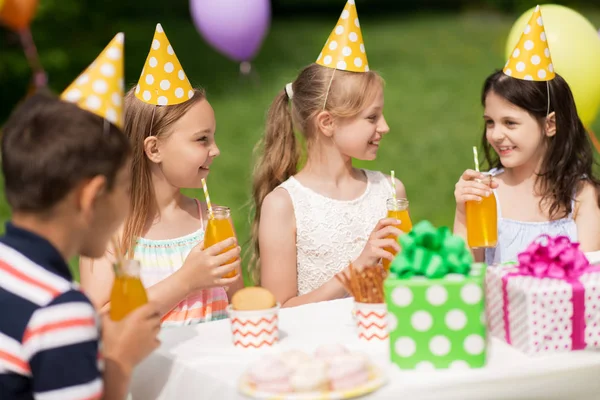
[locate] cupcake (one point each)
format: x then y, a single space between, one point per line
347 371
326 352
253 313
310 376
293 358
253 298
270 374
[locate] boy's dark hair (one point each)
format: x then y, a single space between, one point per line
49 146
569 157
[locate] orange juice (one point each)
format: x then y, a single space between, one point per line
128 292
482 222
402 216
219 228
397 209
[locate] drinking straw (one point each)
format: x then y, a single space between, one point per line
210 210
476 158
393 174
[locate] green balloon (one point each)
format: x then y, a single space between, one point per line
575 50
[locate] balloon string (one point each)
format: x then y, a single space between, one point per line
33 58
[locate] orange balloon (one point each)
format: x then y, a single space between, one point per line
17 14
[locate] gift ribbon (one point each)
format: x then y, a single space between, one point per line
556 258
431 252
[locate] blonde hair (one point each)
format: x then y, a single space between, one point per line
143 120
343 94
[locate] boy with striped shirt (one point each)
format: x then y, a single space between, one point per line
67 180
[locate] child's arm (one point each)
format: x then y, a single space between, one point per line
202 269
125 344
277 240
587 218
96 278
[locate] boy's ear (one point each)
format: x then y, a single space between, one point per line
151 149
89 191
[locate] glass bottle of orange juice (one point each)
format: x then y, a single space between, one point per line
482 221
219 228
128 292
398 209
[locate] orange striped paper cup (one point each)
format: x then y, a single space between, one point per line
371 321
254 329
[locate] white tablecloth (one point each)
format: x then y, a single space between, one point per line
199 362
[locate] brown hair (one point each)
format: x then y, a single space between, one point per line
569 156
143 120
49 146
316 89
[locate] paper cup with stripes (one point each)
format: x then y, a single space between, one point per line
254 329
371 321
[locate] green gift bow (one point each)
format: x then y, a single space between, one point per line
432 253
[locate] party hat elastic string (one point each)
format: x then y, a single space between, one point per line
152 121
548 93
328 89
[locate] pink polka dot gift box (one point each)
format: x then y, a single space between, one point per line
435 302
549 301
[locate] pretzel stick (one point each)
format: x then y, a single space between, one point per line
344 285
378 282
366 286
363 287
355 284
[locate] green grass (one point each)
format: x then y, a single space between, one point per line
434 66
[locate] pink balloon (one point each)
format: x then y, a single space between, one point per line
236 28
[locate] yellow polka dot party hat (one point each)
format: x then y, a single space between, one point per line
99 89
530 60
345 49
163 81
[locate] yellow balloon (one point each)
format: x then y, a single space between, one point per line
575 49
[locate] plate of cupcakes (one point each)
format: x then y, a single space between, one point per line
332 372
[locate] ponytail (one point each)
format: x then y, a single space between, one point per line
278 160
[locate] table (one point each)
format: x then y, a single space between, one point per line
199 362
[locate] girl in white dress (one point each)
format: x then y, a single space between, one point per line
310 224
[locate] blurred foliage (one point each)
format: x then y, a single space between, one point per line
61 25
445 48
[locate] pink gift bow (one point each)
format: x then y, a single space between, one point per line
557 258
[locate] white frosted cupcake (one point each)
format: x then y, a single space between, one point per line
329 351
310 376
348 371
293 358
270 374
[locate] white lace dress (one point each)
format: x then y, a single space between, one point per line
330 233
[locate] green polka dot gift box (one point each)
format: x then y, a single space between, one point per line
435 302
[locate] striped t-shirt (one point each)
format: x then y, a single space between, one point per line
49 336
162 258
